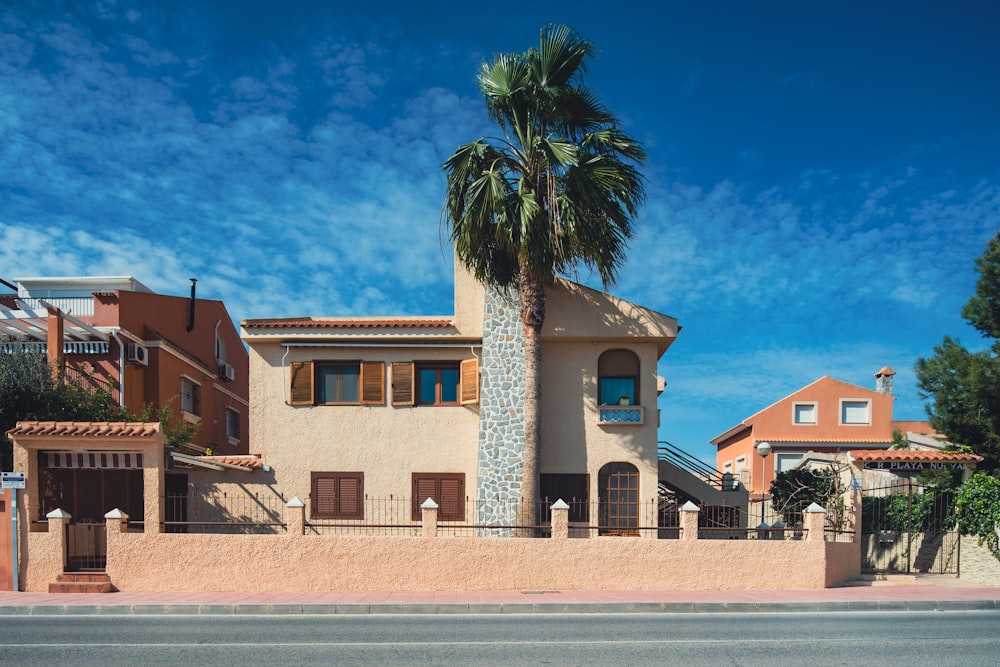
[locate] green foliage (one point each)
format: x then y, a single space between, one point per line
28 391
964 386
977 505
794 490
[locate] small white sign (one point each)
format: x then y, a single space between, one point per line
12 480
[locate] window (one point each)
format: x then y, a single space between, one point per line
446 489
336 383
804 413
618 485
854 412
572 488
787 461
337 495
190 396
220 349
435 383
232 424
618 378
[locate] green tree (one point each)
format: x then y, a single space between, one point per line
29 390
964 386
558 191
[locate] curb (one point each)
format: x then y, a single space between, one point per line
510 608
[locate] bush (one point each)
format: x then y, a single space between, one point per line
977 505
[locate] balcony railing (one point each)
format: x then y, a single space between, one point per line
620 415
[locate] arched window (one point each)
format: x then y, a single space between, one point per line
618 378
618 489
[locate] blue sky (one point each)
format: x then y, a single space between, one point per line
821 175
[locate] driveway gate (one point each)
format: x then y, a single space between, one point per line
908 528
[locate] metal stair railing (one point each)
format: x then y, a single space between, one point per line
676 456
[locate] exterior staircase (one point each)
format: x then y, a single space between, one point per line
693 479
81 582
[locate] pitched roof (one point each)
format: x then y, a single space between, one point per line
913 456
91 429
352 323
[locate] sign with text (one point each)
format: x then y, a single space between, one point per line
912 466
12 480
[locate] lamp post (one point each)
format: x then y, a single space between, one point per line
764 450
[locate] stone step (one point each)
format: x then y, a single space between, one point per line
81 582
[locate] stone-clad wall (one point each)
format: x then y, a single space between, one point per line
978 564
501 411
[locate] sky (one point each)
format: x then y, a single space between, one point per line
821 175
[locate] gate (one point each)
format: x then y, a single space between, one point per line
86 546
908 528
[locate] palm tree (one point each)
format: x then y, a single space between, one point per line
558 191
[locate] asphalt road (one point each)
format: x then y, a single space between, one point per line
913 639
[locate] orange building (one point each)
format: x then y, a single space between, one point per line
142 347
826 416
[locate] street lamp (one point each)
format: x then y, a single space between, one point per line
764 450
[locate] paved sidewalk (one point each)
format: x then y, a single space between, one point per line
916 594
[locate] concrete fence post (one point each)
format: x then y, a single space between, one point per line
689 521
295 517
51 561
116 521
429 518
560 520
814 522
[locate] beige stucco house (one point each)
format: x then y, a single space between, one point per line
349 409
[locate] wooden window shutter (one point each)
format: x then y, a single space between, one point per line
323 496
470 381
424 487
373 383
452 498
351 493
301 383
402 383
337 495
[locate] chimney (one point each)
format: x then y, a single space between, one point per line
194 282
54 340
883 381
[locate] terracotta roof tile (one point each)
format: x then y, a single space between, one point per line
913 455
92 429
314 323
244 461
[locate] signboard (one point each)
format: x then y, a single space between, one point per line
12 480
912 466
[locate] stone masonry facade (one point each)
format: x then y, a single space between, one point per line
501 412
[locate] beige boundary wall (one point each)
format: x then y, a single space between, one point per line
298 562
978 564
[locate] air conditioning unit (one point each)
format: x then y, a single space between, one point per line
136 354
227 372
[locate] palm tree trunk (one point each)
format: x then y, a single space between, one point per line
531 293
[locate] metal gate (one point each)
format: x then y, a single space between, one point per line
86 546
908 528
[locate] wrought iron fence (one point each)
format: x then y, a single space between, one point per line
224 512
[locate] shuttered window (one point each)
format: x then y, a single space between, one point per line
337 495
470 381
337 383
402 383
446 489
301 382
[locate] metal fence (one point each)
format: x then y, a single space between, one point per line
224 512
